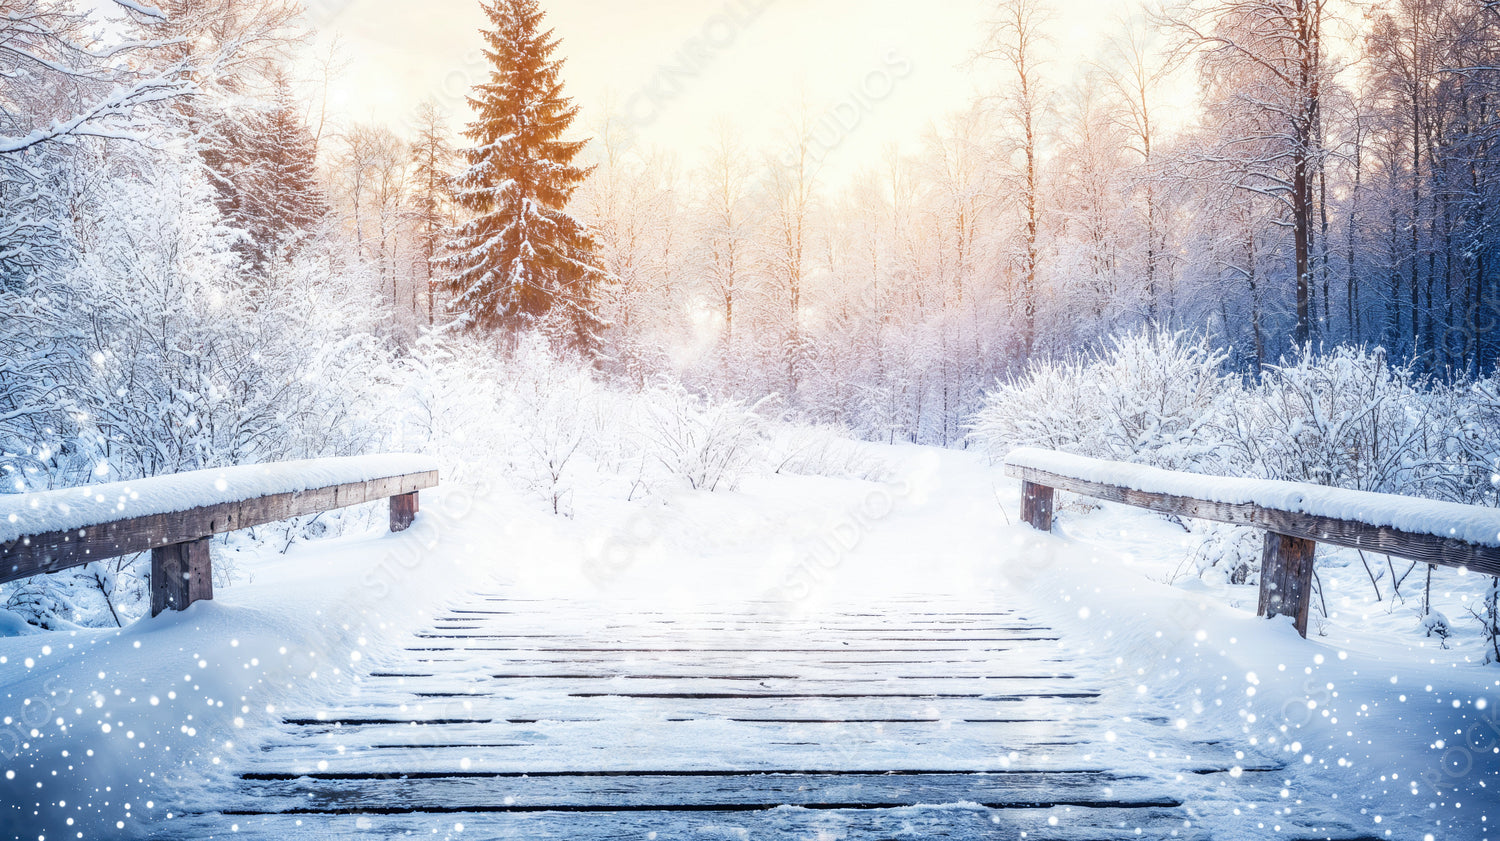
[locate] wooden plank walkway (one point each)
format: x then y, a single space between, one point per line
912 718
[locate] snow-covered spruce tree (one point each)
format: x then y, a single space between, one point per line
292 201
263 164
521 261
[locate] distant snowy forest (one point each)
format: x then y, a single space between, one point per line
200 266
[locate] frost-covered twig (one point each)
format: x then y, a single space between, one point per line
1371 573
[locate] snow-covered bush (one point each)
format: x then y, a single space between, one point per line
1053 405
1228 552
104 594
147 351
1468 469
162 357
556 423
1347 419
1149 398
39 601
710 445
1437 626
820 451
550 403
450 405
1162 398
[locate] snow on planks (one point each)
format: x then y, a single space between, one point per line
912 719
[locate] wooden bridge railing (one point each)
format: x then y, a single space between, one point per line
1296 517
175 516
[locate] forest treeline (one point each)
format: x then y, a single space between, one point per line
191 242
201 266
1331 184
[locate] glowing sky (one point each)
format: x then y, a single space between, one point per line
673 68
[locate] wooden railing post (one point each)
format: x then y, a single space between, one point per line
1036 505
181 573
404 509
1286 576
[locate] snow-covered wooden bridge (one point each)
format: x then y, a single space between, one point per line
926 707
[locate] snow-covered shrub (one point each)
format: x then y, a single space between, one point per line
1347 418
477 404
175 376
106 594
549 402
1153 399
162 357
1053 406
555 423
40 602
147 351
1162 396
1231 553
450 405
710 445
1469 468
1437 626
820 451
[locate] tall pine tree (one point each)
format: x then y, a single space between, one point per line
521 261
263 164
294 198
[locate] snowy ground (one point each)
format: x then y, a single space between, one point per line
1397 735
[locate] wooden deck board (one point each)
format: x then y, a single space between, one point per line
565 720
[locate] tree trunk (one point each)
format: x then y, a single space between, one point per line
1302 236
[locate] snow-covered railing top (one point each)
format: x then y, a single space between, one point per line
1295 516
76 508
51 531
1414 516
